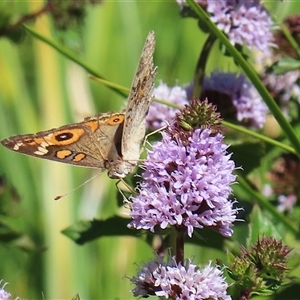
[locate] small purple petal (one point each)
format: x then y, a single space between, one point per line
186 185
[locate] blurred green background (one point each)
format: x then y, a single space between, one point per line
41 89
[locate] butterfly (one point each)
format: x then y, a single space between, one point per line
108 141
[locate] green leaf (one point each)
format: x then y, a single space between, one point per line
76 297
284 65
7 234
86 231
260 225
251 74
247 155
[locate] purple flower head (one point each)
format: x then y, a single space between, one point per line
285 173
284 180
287 203
245 22
235 98
186 184
3 294
284 87
159 113
180 281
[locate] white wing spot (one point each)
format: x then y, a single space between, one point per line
45 145
17 146
41 151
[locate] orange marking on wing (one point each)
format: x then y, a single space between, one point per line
32 141
93 124
64 137
63 153
115 120
79 157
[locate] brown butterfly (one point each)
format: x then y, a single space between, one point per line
108 140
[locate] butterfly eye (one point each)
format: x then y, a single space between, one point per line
115 120
64 136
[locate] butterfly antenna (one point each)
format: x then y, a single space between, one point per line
77 187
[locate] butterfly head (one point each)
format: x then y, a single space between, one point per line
119 168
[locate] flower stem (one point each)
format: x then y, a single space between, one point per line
71 56
6 29
179 256
251 73
201 64
290 38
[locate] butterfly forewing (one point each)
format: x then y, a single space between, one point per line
75 144
108 140
139 101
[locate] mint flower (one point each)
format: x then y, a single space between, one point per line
159 113
284 181
284 88
235 97
245 22
186 184
180 281
3 294
285 84
286 203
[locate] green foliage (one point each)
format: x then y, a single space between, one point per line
44 83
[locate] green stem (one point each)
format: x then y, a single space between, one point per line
6 29
290 39
71 56
200 68
266 204
180 244
248 69
260 137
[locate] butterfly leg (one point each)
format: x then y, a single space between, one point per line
152 133
127 186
